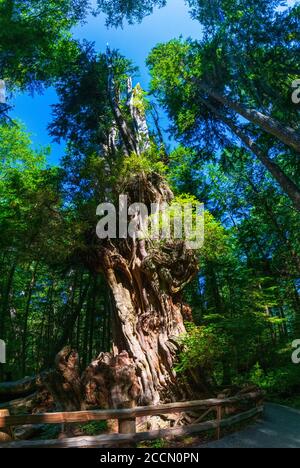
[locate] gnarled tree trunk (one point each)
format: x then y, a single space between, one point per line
145 279
145 283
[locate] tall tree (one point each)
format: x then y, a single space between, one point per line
145 278
180 73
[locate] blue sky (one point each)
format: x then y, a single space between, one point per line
135 42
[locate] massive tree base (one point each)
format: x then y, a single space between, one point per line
146 279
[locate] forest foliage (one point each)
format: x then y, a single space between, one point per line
245 299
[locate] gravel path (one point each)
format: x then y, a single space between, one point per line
278 428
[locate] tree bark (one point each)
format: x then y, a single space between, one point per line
147 308
26 316
21 405
64 382
145 281
9 390
129 140
5 433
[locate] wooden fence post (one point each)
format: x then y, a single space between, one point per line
219 419
128 425
5 432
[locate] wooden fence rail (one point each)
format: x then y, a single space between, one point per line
127 421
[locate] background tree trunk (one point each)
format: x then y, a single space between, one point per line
286 184
286 134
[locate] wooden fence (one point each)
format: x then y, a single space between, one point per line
127 421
